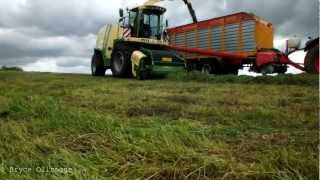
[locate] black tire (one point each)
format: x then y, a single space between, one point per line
142 75
191 66
282 69
311 61
207 69
97 65
225 67
232 69
267 69
121 61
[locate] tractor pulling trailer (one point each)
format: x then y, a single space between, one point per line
138 45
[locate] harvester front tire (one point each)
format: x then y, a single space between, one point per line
97 65
311 61
121 62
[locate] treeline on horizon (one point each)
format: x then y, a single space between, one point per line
10 68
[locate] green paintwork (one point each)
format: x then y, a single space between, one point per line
153 64
106 60
157 55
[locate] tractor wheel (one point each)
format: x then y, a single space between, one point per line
311 61
121 62
97 65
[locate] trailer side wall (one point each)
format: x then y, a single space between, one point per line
241 33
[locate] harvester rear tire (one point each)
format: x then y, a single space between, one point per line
121 62
97 65
311 61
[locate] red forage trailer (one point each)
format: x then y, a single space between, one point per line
226 44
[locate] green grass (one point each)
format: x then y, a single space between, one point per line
183 127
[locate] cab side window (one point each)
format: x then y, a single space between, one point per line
125 22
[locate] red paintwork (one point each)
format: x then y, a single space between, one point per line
272 57
268 57
262 58
221 54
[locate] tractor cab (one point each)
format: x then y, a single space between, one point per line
143 22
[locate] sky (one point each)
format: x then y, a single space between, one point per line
60 35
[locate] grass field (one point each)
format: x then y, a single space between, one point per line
62 126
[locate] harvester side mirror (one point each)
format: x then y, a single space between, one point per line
167 23
121 12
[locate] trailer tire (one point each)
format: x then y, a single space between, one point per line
282 69
232 69
191 66
97 65
121 62
207 69
311 61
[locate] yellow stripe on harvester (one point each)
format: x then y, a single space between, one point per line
167 59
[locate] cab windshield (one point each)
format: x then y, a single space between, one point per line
153 24
146 23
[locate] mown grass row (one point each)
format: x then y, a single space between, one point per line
158 129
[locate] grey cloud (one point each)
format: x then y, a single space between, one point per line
289 17
72 61
15 44
17 61
72 17
8 52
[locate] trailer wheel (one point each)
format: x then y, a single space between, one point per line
120 62
267 69
311 61
97 65
191 66
207 69
232 69
282 69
